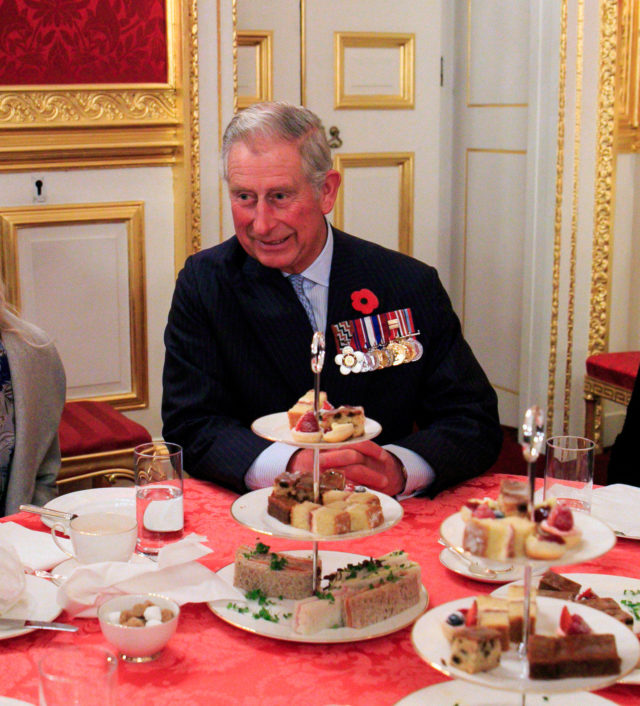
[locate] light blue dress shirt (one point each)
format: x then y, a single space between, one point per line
273 460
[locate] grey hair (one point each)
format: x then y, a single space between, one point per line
285 122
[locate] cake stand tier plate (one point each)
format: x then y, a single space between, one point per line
460 693
275 427
620 588
431 644
283 609
597 539
250 510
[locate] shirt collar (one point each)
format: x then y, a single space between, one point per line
320 269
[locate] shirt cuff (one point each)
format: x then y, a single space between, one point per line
419 473
268 465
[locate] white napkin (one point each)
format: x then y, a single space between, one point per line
617 505
176 575
35 549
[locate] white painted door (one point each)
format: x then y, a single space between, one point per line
489 186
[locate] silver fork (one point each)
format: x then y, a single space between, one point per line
474 566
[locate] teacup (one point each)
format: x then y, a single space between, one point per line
99 536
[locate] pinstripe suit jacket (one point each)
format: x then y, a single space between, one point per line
237 347
38 381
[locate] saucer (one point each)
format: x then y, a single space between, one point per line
458 565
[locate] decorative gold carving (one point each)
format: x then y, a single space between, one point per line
52 127
74 215
195 208
404 43
606 390
605 181
573 244
87 107
557 235
262 43
404 161
594 392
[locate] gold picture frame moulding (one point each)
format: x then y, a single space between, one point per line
262 43
405 163
129 212
404 43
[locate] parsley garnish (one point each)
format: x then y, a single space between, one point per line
236 607
277 562
259 595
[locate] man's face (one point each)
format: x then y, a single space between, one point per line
277 214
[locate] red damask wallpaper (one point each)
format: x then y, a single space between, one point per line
82 41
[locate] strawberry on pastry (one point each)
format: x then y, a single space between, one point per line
572 624
560 523
307 430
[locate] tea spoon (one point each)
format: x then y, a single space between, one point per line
474 566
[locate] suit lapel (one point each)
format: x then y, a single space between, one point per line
279 323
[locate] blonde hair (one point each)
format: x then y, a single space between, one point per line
23 332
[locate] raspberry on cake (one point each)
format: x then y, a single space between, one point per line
305 404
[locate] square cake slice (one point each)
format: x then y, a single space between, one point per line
553 657
475 649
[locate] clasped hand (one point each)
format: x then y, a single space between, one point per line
365 463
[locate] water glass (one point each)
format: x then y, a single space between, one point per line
78 676
159 491
568 473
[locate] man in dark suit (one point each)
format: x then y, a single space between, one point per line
623 461
238 336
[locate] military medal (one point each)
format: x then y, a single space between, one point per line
378 341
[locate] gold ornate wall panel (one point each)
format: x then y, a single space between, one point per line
260 44
102 300
404 161
365 98
627 73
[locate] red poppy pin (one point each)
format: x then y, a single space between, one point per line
364 301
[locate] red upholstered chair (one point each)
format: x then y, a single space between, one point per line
610 376
96 443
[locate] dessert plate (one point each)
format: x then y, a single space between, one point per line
458 565
6 701
605 586
431 644
250 510
597 539
275 427
283 629
38 603
464 694
81 502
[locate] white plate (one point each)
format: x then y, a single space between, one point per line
6 701
118 500
250 510
460 693
39 603
458 565
597 539
464 694
275 427
283 630
605 586
431 644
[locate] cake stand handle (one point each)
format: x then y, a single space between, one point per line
317 363
532 441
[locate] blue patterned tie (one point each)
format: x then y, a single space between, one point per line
297 281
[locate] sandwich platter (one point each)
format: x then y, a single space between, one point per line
241 615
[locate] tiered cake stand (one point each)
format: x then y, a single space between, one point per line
250 510
512 674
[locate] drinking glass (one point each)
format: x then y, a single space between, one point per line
568 473
77 676
159 490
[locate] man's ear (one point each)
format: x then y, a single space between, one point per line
329 190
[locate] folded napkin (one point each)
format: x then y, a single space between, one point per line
36 550
12 579
617 505
177 575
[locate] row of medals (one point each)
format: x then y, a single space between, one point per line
400 350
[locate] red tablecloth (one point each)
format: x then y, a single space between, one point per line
211 662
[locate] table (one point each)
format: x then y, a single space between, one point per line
211 662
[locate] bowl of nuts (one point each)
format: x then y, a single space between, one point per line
138 625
